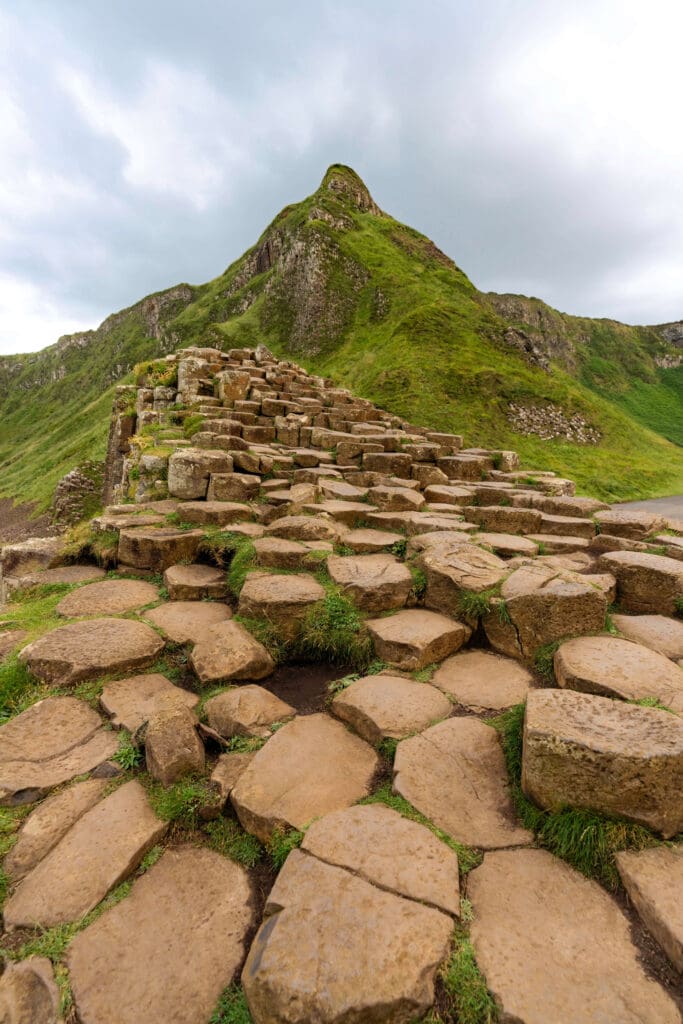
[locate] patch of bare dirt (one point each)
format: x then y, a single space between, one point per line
20 522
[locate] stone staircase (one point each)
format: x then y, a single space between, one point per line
259 517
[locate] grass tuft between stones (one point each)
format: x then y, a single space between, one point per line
232 1008
464 995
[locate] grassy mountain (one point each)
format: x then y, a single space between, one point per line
350 292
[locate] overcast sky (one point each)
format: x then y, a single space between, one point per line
147 142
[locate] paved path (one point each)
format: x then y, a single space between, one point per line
671 507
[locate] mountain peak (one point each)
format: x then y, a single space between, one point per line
349 188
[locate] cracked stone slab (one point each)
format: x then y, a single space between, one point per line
653 880
132 702
389 707
375 583
482 681
107 597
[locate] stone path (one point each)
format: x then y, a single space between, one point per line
298 518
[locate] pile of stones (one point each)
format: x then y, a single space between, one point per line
466 573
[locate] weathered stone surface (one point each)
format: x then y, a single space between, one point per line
396 499
607 756
190 468
30 556
561 505
132 702
165 953
633 523
387 850
389 707
233 487
554 544
103 847
109 597
334 970
62 574
449 572
658 632
309 767
504 519
448 494
246 711
278 553
367 542
454 774
49 743
305 528
195 582
223 778
554 946
29 993
613 667
215 513
482 681
187 621
283 600
374 583
506 545
645 583
95 647
563 526
158 549
172 747
10 640
228 651
413 639
654 881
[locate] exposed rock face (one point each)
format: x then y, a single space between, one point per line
109 597
653 880
382 706
412 639
283 600
657 632
172 747
78 493
645 583
246 711
227 651
188 621
481 681
134 701
375 583
28 993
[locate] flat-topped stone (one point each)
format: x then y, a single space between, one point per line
51 742
454 773
653 880
374 583
636 524
246 711
187 621
29 993
283 600
561 505
396 499
389 707
604 755
158 549
173 748
304 528
557 544
62 574
195 582
658 632
170 948
553 946
102 848
367 542
448 494
645 583
132 702
108 597
347 513
613 667
504 518
91 648
451 571
415 638
278 553
215 513
482 681
309 767
189 470
334 970
506 545
229 651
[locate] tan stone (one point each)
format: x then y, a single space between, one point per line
132 702
109 597
246 711
604 755
172 747
62 574
165 953
506 545
92 648
554 947
504 519
561 505
158 549
309 767
482 681
335 970
563 526
29 993
103 847
368 542
554 544
413 639
340 489
187 621
228 651
613 667
215 513
448 494
633 523
387 462
389 707
389 851
227 771
658 632
375 583
454 774
396 499
10 640
239 487
304 528
30 556
451 572
190 468
653 880
278 553
645 583
348 513
282 600
195 582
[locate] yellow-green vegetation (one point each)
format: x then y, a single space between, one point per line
465 997
231 1008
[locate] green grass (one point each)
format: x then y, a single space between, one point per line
544 660
475 605
281 844
232 1008
466 995
230 840
180 803
128 755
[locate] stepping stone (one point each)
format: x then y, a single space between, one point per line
63 574
553 946
544 605
452 571
86 650
29 993
335 970
227 771
613 667
10 640
346 512
246 711
49 823
215 513
189 471
658 632
228 651
482 681
631 523
653 880
158 549
132 702
645 583
195 582
304 528
309 767
504 519
102 849
172 747
170 948
375 583
561 505
278 553
368 542
282 600
239 487
340 489
389 707
396 499
554 544
401 856
186 622
506 545
605 756
448 494
454 774
51 742
102 524
412 639
563 526
109 597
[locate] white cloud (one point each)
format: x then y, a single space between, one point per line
30 320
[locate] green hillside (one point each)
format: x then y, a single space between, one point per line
351 293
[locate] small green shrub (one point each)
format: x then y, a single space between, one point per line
473 605
128 755
678 607
192 425
387 748
333 631
399 548
419 587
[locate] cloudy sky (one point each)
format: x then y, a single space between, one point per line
146 142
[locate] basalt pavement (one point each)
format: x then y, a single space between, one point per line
265 518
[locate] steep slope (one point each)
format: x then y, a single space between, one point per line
352 293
